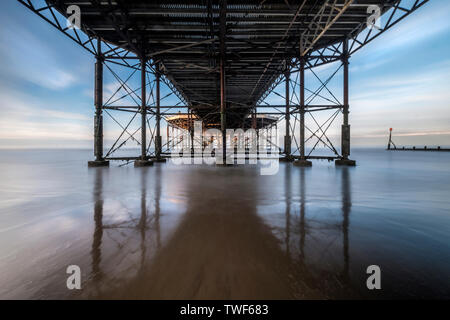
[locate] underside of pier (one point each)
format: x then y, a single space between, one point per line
222 59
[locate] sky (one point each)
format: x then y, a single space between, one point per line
400 81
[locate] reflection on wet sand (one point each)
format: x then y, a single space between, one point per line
346 207
222 248
96 251
128 228
321 281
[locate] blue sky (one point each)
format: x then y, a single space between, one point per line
400 80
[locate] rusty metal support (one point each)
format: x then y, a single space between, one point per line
302 162
223 90
254 119
158 139
223 114
158 142
98 118
98 146
345 135
143 110
256 72
345 126
287 137
302 108
191 129
143 161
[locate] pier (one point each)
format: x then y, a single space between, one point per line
222 60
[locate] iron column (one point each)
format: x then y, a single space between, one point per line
223 115
98 147
254 138
143 110
302 108
143 162
345 135
287 137
158 145
302 162
191 129
98 102
167 135
345 126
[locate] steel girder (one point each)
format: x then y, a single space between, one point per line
260 38
262 43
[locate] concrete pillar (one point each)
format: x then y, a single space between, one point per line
98 118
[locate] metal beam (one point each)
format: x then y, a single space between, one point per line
223 114
143 110
158 141
287 137
302 108
98 97
318 26
345 135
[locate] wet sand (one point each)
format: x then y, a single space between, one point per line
222 249
216 253
200 232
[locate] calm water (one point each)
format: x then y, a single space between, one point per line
206 232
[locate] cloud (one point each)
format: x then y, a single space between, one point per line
21 118
63 115
369 66
28 58
428 83
25 122
429 20
56 79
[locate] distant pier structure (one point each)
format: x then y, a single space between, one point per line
181 131
392 147
223 61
